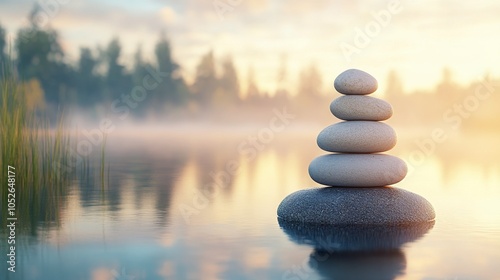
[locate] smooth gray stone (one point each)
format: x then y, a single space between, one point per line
357 170
354 81
360 108
354 238
355 206
357 137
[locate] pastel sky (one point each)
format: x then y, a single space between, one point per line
418 40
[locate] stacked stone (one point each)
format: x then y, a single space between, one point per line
357 175
357 141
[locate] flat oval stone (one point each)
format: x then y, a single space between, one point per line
360 108
354 81
357 137
357 170
351 206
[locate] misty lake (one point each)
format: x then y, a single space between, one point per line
162 215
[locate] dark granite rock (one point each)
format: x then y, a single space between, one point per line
354 238
355 206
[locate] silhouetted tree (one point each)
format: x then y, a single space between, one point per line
281 94
229 85
139 70
394 85
117 80
164 56
168 92
39 55
253 94
89 85
447 86
310 85
205 83
282 75
3 42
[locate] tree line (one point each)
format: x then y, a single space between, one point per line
98 76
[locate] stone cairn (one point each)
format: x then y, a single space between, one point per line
358 138
357 175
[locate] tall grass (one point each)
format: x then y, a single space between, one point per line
28 144
103 159
43 157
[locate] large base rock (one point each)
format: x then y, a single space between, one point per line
355 206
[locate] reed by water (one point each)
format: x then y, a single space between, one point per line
41 157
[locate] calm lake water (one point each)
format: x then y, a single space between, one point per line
161 214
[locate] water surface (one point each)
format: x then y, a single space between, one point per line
200 207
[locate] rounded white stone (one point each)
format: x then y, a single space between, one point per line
354 81
360 108
357 170
357 137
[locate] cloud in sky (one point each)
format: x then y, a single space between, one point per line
417 42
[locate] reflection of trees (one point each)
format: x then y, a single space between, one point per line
212 158
478 149
38 210
454 153
165 176
151 175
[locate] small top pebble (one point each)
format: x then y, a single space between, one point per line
355 82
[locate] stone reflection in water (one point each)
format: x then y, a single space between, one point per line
358 265
356 251
351 238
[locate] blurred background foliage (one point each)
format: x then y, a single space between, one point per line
99 76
